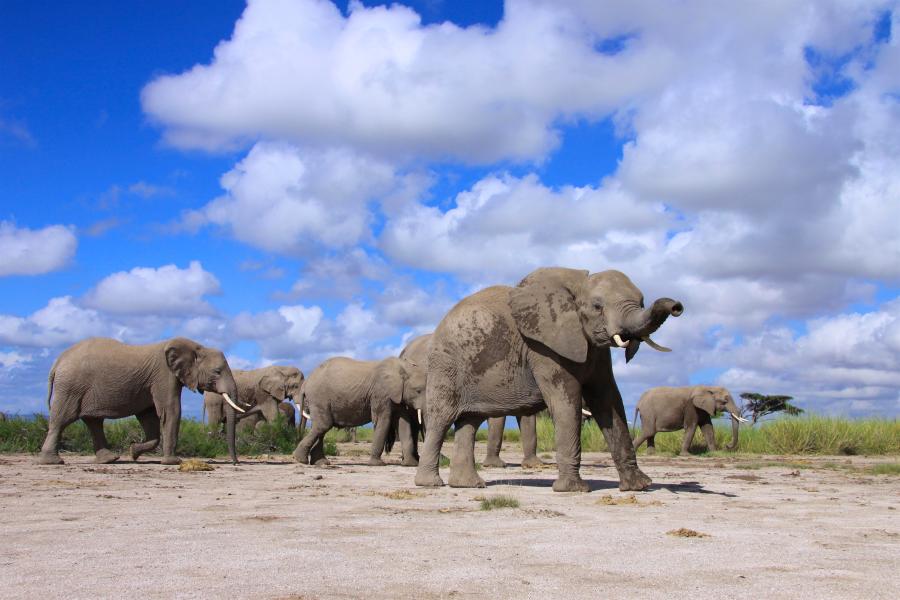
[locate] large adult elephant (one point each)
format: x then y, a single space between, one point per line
100 378
343 392
546 342
677 408
263 389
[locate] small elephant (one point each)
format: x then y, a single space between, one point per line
101 378
343 392
411 423
264 390
677 408
546 342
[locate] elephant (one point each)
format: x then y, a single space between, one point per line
264 390
546 342
344 392
677 408
410 424
101 378
527 435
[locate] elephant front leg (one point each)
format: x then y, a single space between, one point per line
407 435
609 412
102 453
528 435
710 434
462 465
379 435
494 442
170 421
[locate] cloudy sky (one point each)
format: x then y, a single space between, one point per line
295 179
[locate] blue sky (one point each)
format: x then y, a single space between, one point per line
296 179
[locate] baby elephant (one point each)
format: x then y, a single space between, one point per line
676 408
344 392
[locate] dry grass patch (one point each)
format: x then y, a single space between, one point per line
683 532
192 464
629 500
399 494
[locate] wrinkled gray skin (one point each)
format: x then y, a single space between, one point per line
408 426
343 392
677 408
101 378
263 389
546 342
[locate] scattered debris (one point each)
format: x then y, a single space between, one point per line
629 500
687 533
193 464
398 494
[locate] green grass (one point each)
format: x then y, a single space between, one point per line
794 435
886 469
495 502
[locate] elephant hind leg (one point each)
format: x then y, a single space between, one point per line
494 442
102 453
63 412
149 421
528 435
462 465
50 450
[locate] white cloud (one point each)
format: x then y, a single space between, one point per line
26 251
59 323
167 290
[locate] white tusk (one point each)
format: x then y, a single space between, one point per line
586 412
619 341
654 345
419 415
739 418
233 405
305 415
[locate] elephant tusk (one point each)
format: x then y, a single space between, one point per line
739 418
233 405
305 415
619 341
419 415
654 345
586 413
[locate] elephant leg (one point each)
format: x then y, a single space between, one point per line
379 435
651 444
353 434
710 434
428 474
462 465
150 424
606 405
313 441
494 442
528 435
645 436
170 422
50 450
102 453
689 432
406 433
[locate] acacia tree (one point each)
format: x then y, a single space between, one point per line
757 406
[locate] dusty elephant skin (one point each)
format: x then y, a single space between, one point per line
546 342
343 392
677 408
101 378
265 390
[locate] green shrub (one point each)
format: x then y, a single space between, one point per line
501 501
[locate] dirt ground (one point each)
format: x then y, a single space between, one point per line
269 528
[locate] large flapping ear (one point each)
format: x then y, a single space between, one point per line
390 377
545 308
181 358
704 399
274 385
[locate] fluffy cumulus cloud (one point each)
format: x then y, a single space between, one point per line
26 251
167 290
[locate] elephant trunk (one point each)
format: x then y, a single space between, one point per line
230 427
641 324
735 413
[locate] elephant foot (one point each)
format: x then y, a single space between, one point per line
170 460
374 461
494 461
409 462
571 484
634 481
532 462
467 480
324 462
301 457
428 479
134 453
104 456
49 459
651 450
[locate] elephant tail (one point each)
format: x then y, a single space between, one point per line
50 379
634 420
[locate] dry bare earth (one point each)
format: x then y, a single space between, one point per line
274 529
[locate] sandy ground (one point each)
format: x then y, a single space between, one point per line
818 528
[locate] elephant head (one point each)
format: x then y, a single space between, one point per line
714 399
400 380
567 309
201 369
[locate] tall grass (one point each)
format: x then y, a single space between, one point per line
803 435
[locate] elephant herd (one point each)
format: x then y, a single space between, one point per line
545 343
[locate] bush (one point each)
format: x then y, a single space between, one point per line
499 502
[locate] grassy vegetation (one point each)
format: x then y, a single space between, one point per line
886 469
501 501
803 435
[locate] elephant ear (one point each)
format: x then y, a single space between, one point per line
274 385
705 400
181 358
545 308
390 378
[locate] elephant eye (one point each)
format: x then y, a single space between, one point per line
598 305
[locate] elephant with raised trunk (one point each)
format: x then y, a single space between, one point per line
677 408
343 392
101 378
546 342
265 390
